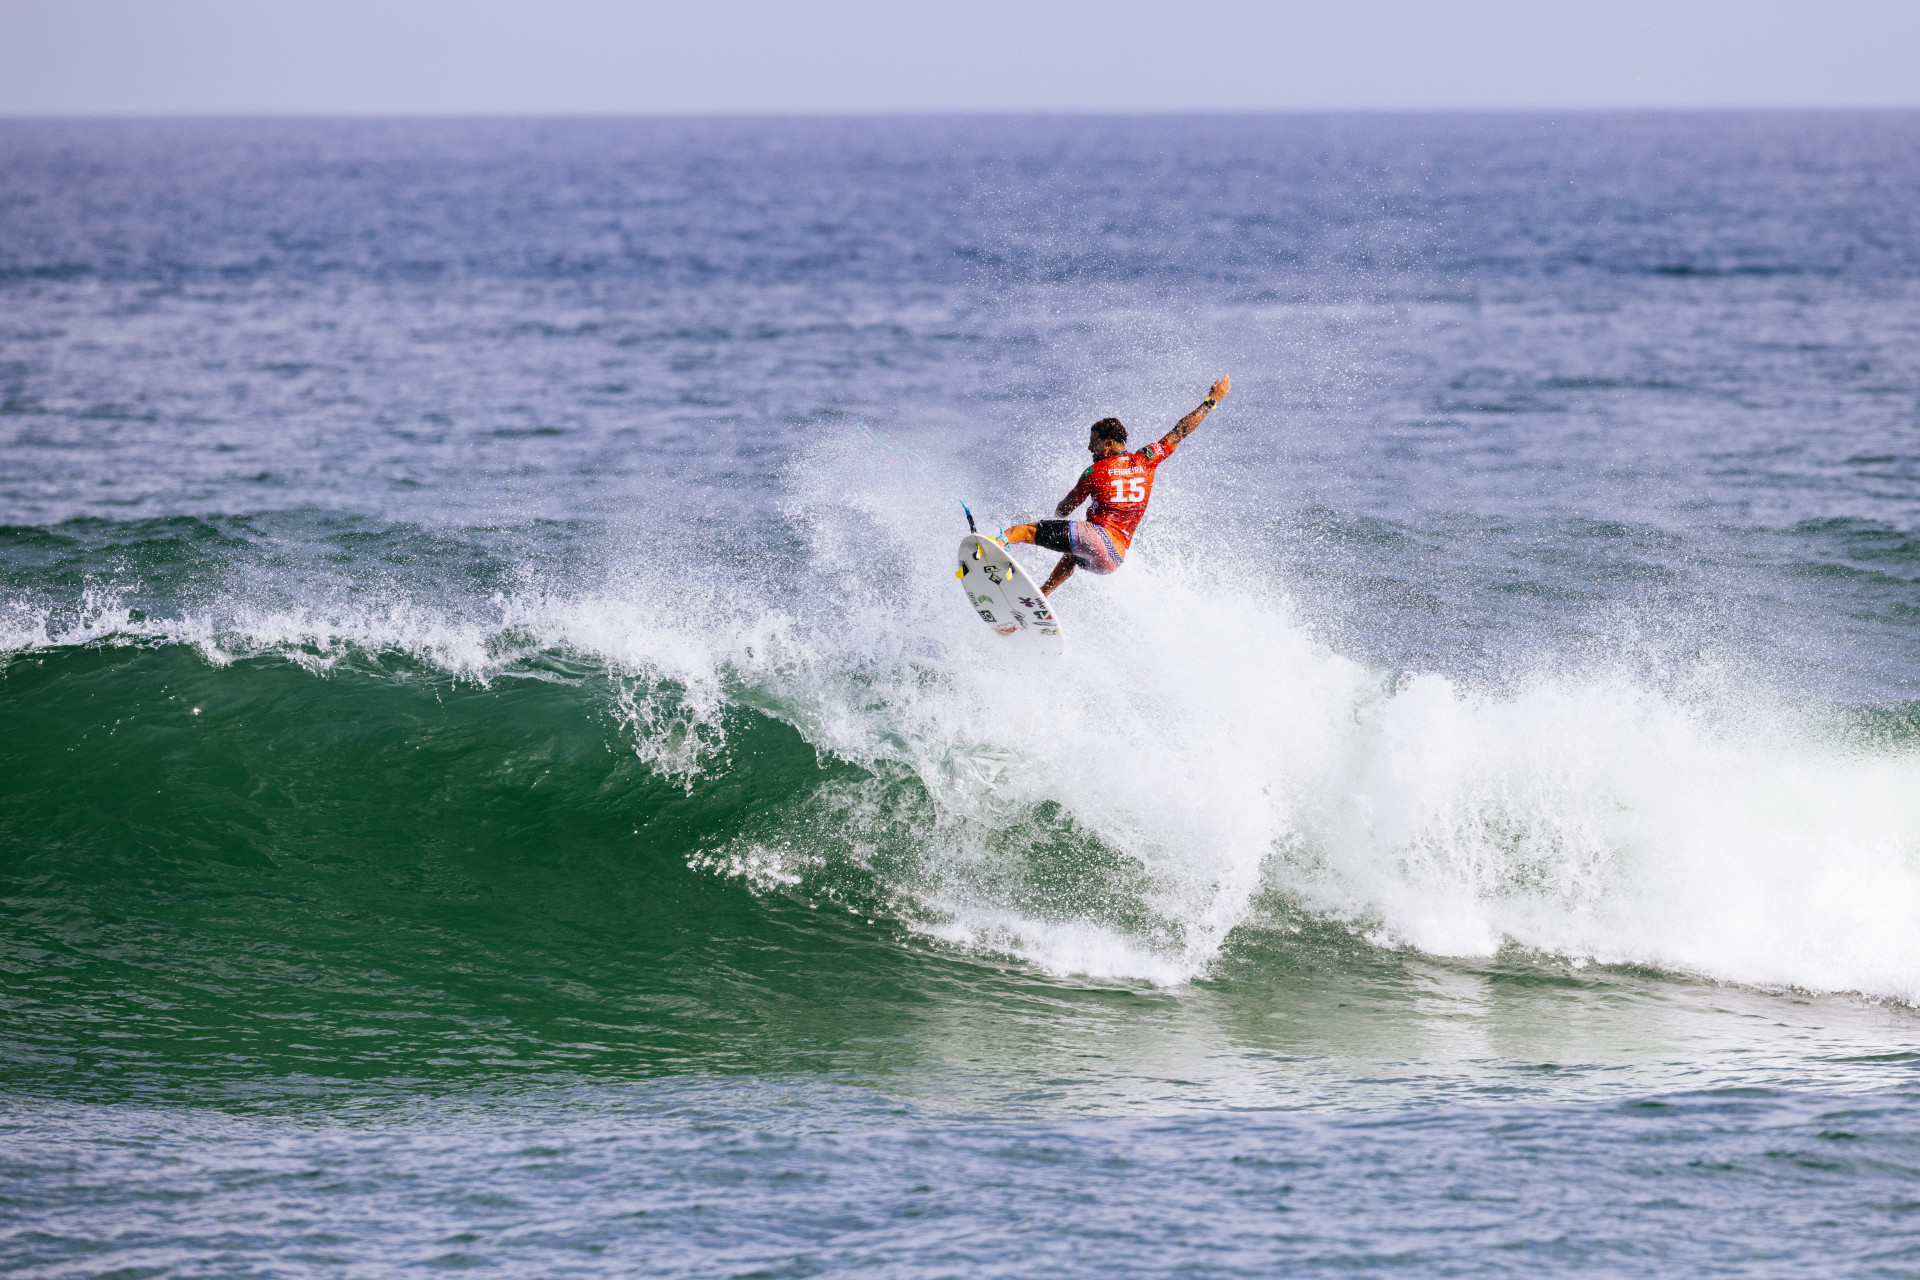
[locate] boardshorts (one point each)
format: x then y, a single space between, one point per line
1091 547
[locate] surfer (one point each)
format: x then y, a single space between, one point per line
1119 482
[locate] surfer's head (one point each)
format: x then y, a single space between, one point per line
1109 435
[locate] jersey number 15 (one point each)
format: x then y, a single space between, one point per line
1129 488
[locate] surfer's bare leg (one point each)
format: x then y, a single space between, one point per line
1024 533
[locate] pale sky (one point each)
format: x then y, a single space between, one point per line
604 57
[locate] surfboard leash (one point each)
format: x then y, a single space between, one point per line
925 471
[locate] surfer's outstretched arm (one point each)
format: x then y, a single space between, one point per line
1183 428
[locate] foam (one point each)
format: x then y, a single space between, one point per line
1707 829
1227 758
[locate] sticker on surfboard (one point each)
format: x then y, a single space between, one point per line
1006 599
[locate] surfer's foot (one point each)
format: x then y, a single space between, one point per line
1018 533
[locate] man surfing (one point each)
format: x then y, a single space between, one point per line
1119 483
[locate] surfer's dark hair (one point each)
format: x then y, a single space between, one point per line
1111 429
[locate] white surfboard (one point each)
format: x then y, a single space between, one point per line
1006 599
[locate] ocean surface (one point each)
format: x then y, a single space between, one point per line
496 774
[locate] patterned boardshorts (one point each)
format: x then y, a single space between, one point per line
1091 547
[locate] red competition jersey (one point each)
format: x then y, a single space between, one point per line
1120 486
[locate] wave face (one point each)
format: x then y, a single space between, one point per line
1203 767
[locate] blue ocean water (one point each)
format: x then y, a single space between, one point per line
496 775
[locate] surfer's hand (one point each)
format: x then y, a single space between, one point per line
1220 389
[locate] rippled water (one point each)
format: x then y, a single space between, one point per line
446 818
